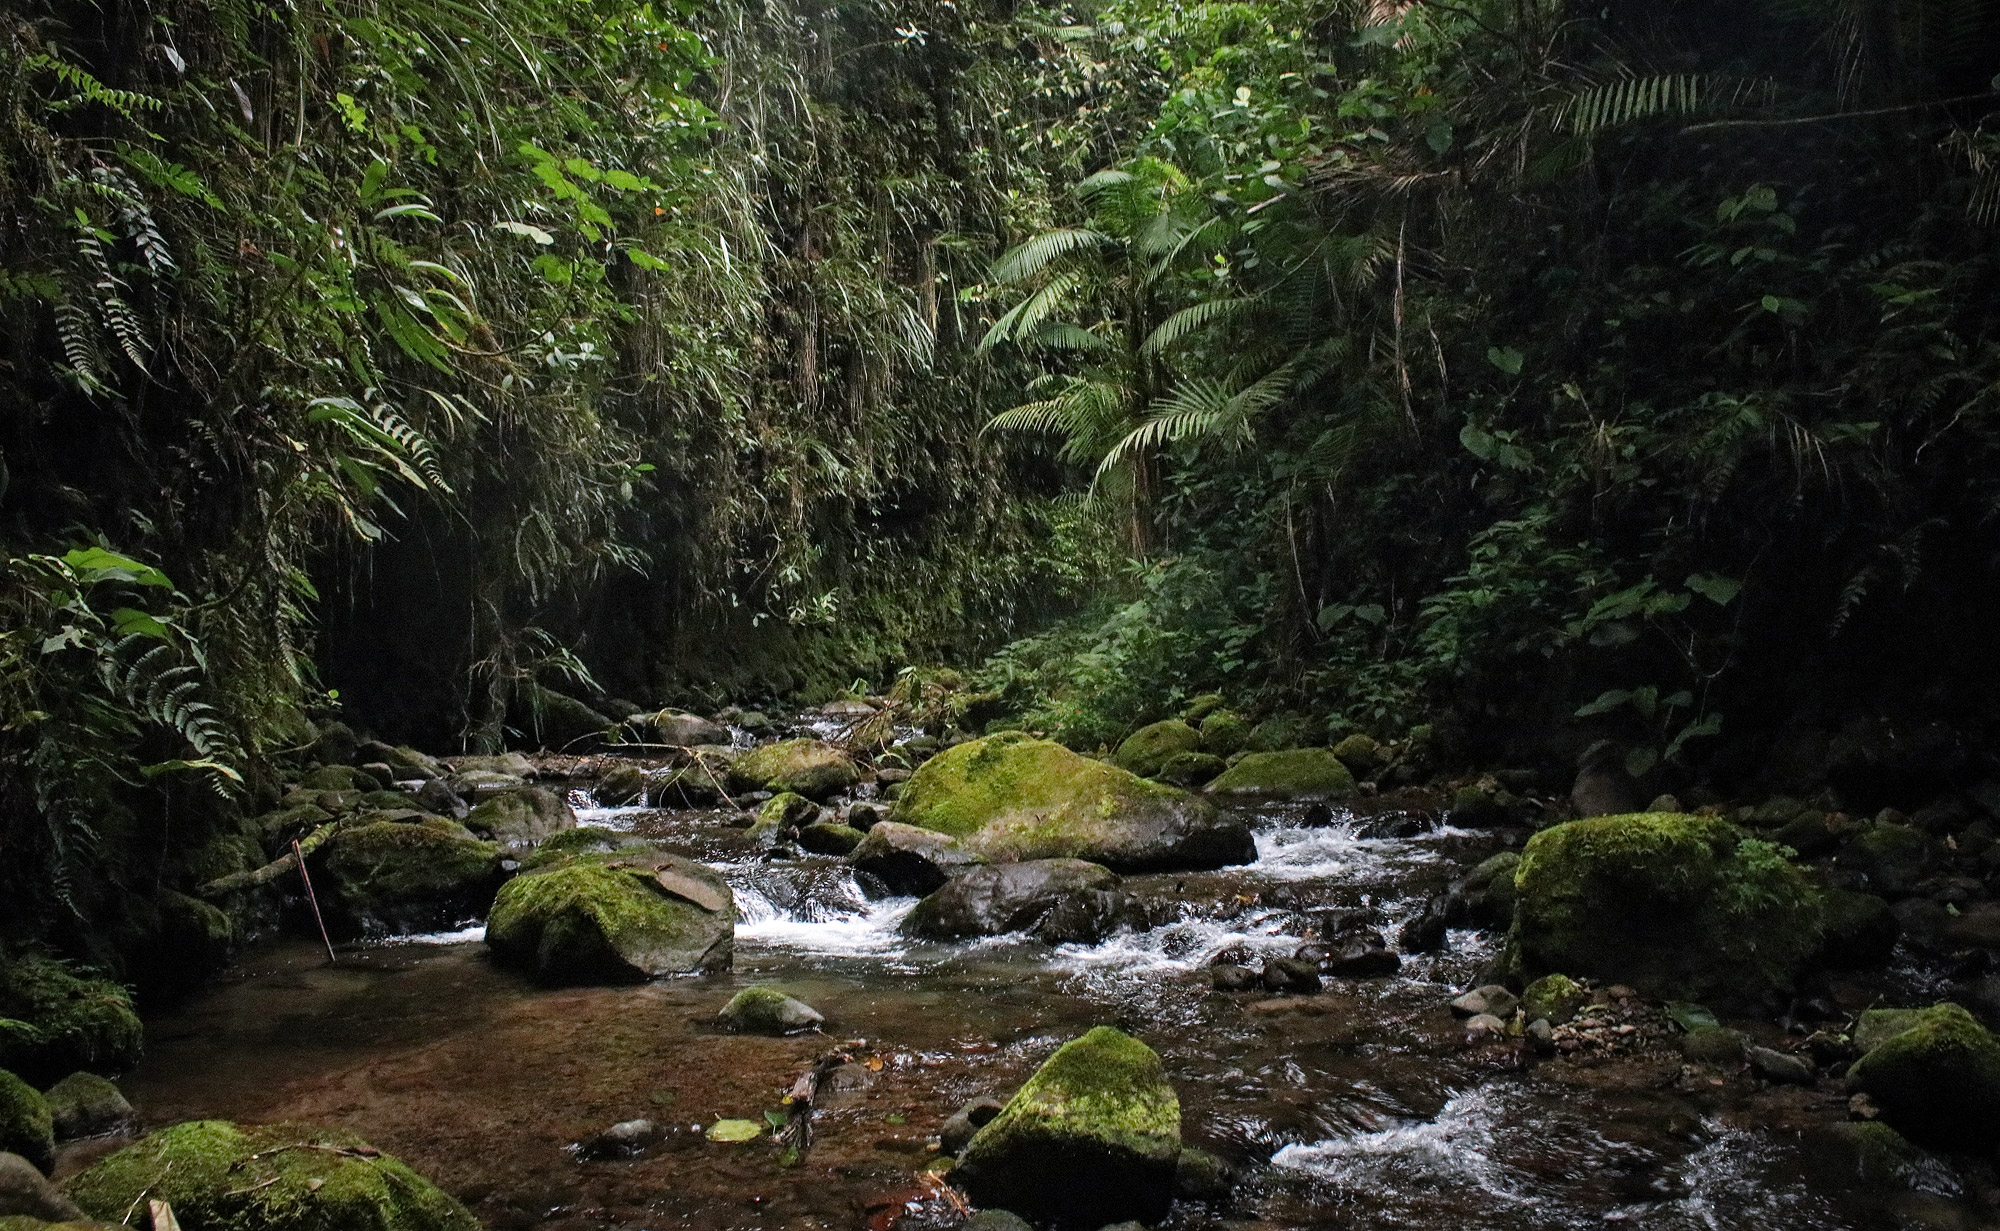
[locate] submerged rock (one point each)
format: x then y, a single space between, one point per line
26 1193
1092 1138
1680 907
1010 797
1298 773
520 818
614 916
910 862
280 1177
1146 751
1060 901
1936 1079
86 1105
766 1010
965 1123
26 1126
396 877
801 766
74 1021
1717 1045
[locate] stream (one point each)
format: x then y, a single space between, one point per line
1361 1108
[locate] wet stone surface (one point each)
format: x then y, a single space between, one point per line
1362 1105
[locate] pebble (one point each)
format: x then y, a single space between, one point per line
1777 1066
1484 1026
1491 1000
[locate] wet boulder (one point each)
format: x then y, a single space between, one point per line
1680 907
829 838
1491 999
1146 751
614 916
86 1105
1092 1138
964 1123
621 785
1010 797
1297 773
26 1126
1485 896
783 811
1364 755
802 766
766 1010
518 819
340 778
680 730
1056 900
1935 1073
278 1177
1603 787
906 861
690 786
393 877
72 1020
1280 732
26 1193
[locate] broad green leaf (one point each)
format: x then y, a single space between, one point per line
1506 358
1721 591
1605 703
130 621
734 1130
96 564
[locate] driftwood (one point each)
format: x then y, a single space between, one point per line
235 882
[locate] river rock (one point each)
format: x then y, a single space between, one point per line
1484 1027
614 916
1937 1079
784 811
996 1220
1297 773
965 1123
1190 770
620 785
436 796
510 764
1893 858
1228 977
1201 1176
76 1021
1146 751
1674 905
1010 797
1092 1138
395 877
1717 1045
863 816
1556 998
26 1193
907 861
1367 957
408 763
1603 787
1291 974
469 784
1779 1067
86 1105
1224 733
622 1140
1486 895
681 730
1492 998
218 1175
1363 755
802 766
826 838
520 818
1426 931
1056 900
1861 929
766 1010
690 786
26 1126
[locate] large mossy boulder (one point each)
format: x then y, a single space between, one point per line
280 1177
1091 1139
1296 773
394 877
27 1127
1224 733
614 916
1146 751
1936 1077
1061 901
1010 797
86 1105
802 766
55 1020
1680 907
520 818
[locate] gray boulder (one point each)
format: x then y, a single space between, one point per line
518 819
26 1193
907 861
86 1105
1056 900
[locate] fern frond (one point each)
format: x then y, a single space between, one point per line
1032 256
1633 98
1196 319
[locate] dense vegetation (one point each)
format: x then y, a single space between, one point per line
1623 370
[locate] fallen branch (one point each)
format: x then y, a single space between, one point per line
237 881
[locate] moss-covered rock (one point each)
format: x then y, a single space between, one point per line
393 877
1189 770
1296 773
55 1020
86 1105
27 1200
520 818
830 839
583 840
1485 896
1861 929
1937 1080
1201 707
614 916
1680 907
783 811
1091 1139
279 1177
766 1010
340 778
802 766
1363 754
1554 997
27 1127
1146 751
1282 731
1009 797
26 1223
1893 857
1224 733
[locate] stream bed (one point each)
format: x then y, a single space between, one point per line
1362 1107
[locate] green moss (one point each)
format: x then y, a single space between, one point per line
1010 797
1146 751
27 1127
1224 733
584 839
785 809
766 1010
1362 754
1681 907
1298 773
22 1222
396 876
1555 997
281 1177
830 839
1201 707
84 1104
519 818
802 766
54 1021
1188 770
1938 1080
605 918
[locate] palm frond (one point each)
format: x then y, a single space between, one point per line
1032 256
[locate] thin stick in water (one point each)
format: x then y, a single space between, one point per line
314 899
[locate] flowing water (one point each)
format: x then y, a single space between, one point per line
1363 1107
